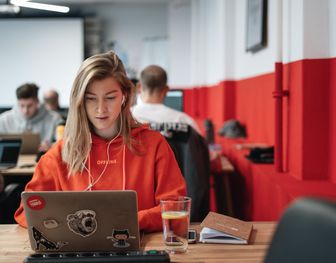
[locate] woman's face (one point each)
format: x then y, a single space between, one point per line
103 99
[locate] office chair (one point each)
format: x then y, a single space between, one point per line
9 202
192 154
306 233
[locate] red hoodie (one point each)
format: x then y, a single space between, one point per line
154 174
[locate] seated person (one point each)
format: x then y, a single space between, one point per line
29 116
150 108
136 92
51 102
104 148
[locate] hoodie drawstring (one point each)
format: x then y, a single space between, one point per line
124 168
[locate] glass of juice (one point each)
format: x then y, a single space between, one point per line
175 212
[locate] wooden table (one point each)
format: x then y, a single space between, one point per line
25 167
222 169
22 173
14 246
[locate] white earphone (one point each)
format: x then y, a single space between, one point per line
123 99
93 182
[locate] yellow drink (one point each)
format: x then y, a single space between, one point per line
175 230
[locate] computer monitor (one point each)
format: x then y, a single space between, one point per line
174 99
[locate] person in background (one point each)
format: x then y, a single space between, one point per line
51 102
150 108
29 116
134 100
104 148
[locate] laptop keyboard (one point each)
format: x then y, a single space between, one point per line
150 256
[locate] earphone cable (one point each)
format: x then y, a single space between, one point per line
91 182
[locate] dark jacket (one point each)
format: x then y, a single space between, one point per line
192 154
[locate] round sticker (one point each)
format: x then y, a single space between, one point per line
35 202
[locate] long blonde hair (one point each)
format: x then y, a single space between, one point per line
77 135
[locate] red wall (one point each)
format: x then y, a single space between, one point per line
255 107
307 114
309 132
215 102
332 121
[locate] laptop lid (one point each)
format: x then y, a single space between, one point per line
30 141
82 221
9 152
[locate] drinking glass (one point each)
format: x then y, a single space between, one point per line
175 212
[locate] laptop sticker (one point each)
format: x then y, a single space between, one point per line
41 240
119 236
50 223
35 202
82 222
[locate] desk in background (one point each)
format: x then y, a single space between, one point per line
14 246
25 167
15 180
23 172
222 171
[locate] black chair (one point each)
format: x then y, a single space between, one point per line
306 233
9 201
192 154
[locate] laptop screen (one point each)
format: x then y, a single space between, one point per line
30 141
9 151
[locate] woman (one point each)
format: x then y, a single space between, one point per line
104 148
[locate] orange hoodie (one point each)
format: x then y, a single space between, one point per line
154 174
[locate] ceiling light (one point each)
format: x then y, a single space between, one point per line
55 8
9 9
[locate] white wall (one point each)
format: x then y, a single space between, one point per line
250 64
129 25
316 29
332 27
292 30
208 42
47 52
205 40
215 44
179 29
218 37
307 31
296 29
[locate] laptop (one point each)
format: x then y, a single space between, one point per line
30 141
9 153
63 221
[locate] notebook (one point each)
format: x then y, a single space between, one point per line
218 228
9 153
82 221
30 141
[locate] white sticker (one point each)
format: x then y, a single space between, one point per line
119 236
82 222
43 242
50 223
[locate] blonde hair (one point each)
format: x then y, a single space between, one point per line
77 135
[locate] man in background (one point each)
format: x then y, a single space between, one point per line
29 116
51 102
150 108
